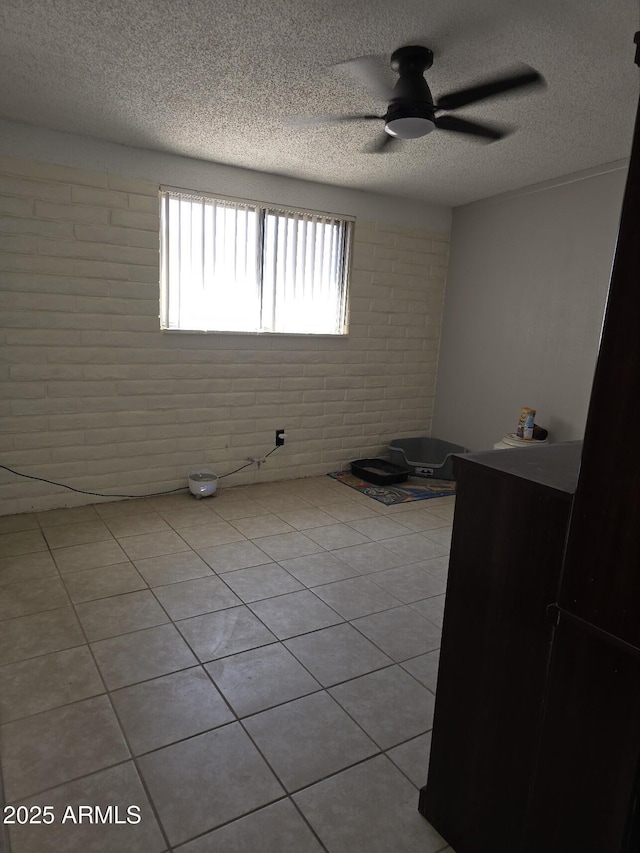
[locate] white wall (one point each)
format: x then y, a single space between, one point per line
526 291
93 394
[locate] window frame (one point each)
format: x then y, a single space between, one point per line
263 209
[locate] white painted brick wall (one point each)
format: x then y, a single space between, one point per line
93 394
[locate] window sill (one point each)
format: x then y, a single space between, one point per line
256 334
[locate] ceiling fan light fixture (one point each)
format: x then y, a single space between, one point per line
409 127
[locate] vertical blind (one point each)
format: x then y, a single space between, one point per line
210 261
239 266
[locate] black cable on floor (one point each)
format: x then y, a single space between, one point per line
85 491
103 495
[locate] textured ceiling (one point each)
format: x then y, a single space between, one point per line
213 79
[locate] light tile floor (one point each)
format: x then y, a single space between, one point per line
254 671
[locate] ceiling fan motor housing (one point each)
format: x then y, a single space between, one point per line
411 112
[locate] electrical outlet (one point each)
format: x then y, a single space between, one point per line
280 437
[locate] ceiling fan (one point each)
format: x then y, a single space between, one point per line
411 110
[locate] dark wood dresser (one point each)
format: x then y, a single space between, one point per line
509 535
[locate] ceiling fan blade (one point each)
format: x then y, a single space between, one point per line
311 121
472 128
490 89
368 71
382 145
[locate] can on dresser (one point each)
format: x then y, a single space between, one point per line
526 423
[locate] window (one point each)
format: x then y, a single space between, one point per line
239 266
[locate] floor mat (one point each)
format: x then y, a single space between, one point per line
415 489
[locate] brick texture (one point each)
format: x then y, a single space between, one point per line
94 395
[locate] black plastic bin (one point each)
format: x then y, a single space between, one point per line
425 457
379 471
